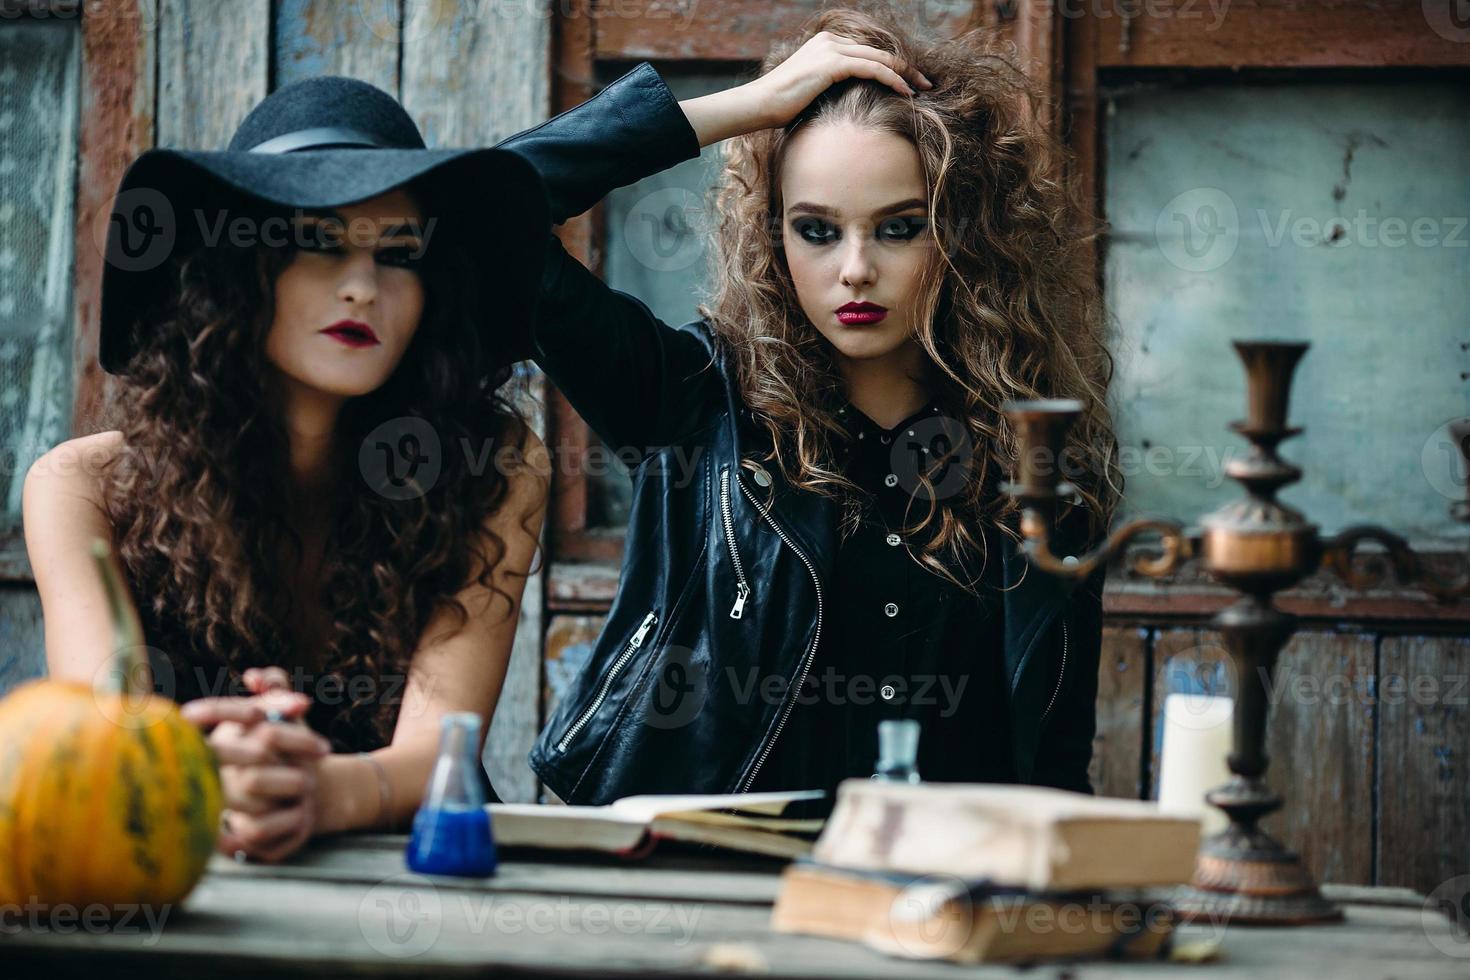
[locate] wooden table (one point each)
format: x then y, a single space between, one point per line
349 907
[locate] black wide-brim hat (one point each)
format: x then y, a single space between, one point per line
322 143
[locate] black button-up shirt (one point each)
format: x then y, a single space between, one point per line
901 641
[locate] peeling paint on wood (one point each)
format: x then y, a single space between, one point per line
569 643
212 68
730 30
1117 748
359 40
1424 782
117 123
1283 34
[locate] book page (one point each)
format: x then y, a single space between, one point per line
556 811
646 808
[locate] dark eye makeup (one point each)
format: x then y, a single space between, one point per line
316 236
819 231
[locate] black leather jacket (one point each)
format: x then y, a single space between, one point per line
680 695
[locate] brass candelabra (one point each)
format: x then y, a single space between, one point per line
1256 546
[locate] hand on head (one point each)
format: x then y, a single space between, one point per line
825 60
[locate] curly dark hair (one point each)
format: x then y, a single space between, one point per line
1010 308
199 493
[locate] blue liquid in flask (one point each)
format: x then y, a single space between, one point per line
451 831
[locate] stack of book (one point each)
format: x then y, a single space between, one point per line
980 873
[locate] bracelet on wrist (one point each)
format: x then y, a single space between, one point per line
383 821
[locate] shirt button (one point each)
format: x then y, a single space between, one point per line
894 539
890 610
887 692
885 439
890 480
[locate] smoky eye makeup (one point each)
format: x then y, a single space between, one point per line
328 236
901 228
814 231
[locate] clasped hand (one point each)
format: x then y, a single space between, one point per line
268 769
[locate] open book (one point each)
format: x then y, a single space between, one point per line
1025 836
633 825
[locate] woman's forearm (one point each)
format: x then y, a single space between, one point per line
350 795
721 115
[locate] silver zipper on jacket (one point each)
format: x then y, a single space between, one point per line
743 588
811 650
607 681
1060 674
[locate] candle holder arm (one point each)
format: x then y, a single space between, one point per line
1178 545
1407 567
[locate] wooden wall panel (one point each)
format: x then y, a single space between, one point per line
117 123
1117 749
213 66
569 642
1424 744
1320 742
1282 34
475 73
733 30
359 40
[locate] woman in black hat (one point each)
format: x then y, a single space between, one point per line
325 504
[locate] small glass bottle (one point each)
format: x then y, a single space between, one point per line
451 831
898 751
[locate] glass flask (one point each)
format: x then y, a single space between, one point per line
898 751
451 831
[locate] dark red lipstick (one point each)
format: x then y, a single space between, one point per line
858 314
353 333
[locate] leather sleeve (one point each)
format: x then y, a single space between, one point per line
1064 750
631 129
638 382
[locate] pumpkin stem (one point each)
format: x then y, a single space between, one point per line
127 629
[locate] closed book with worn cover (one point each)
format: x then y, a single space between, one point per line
944 917
1026 836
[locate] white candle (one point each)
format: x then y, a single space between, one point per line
1197 737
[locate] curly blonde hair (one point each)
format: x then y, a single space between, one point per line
1010 308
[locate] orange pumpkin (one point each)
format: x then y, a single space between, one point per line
107 795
